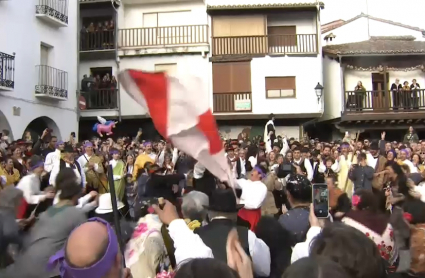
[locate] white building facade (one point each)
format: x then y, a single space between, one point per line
375 52
38 67
255 60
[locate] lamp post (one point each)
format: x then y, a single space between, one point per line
319 91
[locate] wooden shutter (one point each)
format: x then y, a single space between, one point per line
280 87
232 77
234 26
282 35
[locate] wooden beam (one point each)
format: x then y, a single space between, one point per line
401 121
409 121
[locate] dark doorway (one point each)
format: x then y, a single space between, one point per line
379 96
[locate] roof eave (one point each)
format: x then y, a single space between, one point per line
339 54
264 6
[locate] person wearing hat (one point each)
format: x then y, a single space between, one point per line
296 219
93 169
53 157
68 161
30 186
270 132
254 192
378 163
222 212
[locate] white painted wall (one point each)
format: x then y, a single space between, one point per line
232 131
304 20
186 64
307 71
357 31
22 33
132 15
332 83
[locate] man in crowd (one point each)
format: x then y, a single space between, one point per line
93 169
68 161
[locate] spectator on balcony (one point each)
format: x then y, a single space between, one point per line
396 88
355 98
414 88
406 95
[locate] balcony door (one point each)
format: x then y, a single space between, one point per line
379 96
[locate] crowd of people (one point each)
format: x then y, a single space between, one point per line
176 219
98 35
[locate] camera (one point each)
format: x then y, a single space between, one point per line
285 169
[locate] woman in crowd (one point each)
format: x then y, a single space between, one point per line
9 176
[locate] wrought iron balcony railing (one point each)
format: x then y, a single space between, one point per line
56 9
51 83
97 40
106 98
7 71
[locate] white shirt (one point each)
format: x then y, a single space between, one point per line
308 168
302 249
253 193
253 161
371 161
160 158
83 202
243 169
412 167
83 160
81 178
322 167
50 160
130 169
187 244
30 186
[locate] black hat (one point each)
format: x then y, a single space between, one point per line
374 146
299 187
223 200
67 149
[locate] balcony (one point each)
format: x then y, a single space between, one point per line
101 99
7 72
265 45
189 38
54 12
51 83
97 41
232 102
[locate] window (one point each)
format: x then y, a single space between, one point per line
232 77
170 69
280 87
282 35
44 55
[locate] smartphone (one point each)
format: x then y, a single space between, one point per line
321 200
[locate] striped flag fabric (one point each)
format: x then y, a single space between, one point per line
179 108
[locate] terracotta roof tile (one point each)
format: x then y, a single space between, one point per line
332 27
378 45
265 6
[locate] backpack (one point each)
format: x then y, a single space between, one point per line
417 248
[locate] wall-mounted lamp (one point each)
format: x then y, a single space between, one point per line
319 91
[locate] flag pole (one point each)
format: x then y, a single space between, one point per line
115 210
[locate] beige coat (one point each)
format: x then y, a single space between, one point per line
272 183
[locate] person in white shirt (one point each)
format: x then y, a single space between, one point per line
53 157
303 166
30 184
404 153
68 161
85 163
254 192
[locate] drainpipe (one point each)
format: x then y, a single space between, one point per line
117 61
78 93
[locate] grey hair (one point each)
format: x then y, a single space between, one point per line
193 205
10 197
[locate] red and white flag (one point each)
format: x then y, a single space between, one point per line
180 111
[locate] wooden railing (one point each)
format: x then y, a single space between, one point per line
101 99
97 40
382 101
161 36
268 44
232 102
